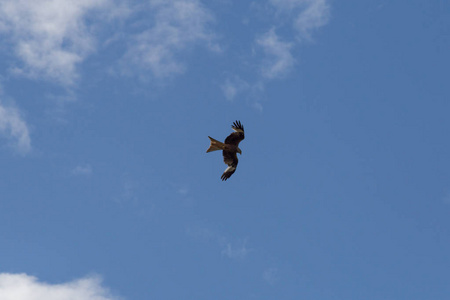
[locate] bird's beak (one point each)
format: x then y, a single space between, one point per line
239 151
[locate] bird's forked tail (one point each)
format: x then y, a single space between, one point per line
215 145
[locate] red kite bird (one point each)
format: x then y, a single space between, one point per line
230 148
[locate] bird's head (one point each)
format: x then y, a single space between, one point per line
239 151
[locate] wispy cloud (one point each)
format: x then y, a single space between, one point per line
25 287
231 248
292 22
82 170
313 17
278 58
128 191
14 128
183 191
235 250
276 62
308 14
234 86
178 25
50 37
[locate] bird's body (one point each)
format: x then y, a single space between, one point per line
229 148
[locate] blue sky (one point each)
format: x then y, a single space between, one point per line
342 190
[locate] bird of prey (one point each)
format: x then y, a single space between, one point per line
229 148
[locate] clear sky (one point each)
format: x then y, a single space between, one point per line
342 189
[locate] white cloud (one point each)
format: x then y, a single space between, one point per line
14 128
178 25
236 250
229 89
309 14
278 58
25 287
50 37
303 16
233 86
314 16
84 170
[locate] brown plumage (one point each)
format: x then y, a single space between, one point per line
229 148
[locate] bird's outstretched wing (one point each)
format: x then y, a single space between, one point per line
236 137
230 158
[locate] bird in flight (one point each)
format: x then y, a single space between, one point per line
229 148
